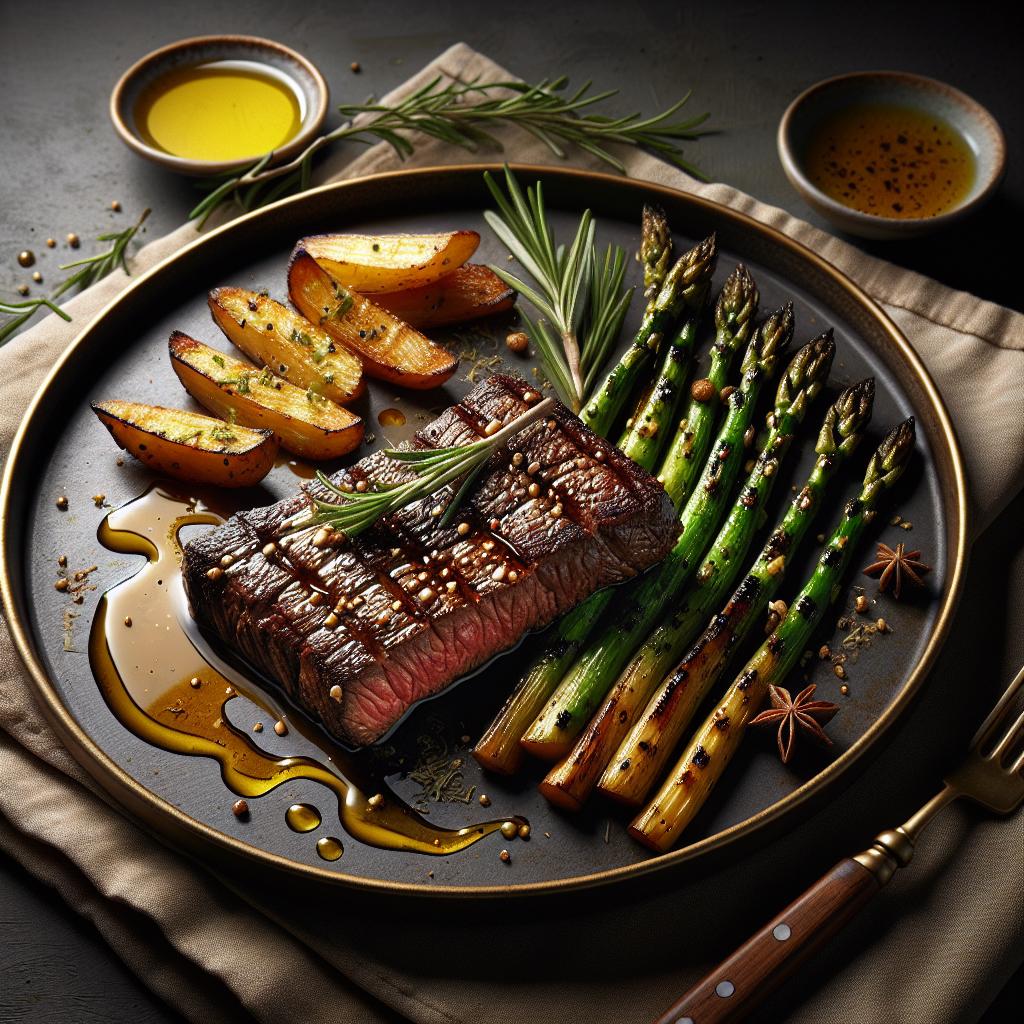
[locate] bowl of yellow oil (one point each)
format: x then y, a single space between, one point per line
886 154
213 104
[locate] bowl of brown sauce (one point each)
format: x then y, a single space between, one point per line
886 154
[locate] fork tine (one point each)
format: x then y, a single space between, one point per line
999 712
1009 736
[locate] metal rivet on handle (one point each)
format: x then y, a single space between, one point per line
782 932
725 989
685 1020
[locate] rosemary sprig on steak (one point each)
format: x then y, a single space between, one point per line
434 468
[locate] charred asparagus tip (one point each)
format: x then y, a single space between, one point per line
890 458
655 247
738 298
846 418
770 340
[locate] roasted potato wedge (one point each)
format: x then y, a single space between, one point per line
190 446
390 263
468 293
273 335
305 422
389 348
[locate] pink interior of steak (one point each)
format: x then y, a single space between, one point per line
400 612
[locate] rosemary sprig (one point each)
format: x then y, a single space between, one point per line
434 468
463 114
87 271
576 294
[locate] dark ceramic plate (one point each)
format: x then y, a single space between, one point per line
63 449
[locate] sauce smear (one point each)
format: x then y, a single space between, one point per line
225 111
891 162
160 687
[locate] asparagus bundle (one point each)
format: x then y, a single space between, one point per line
647 431
571 705
642 755
734 320
498 749
571 781
712 746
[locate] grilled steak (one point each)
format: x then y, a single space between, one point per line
358 632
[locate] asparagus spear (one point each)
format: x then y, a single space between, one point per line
644 752
655 251
556 726
712 746
689 273
734 320
572 780
498 749
647 431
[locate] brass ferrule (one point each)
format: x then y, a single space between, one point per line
891 849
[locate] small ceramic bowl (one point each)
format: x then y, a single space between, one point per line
300 75
972 121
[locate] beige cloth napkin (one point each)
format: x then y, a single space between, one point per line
937 945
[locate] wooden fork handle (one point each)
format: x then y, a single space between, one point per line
739 983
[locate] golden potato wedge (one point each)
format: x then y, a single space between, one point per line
273 335
189 446
389 349
305 422
468 293
390 263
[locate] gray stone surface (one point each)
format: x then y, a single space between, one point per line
60 167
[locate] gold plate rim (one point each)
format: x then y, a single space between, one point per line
145 805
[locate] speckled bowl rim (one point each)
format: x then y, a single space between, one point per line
311 123
793 165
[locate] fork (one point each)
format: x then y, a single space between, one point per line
740 982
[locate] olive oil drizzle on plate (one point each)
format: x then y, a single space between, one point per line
163 690
891 161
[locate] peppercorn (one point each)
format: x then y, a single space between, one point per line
517 342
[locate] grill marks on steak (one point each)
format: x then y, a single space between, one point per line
419 605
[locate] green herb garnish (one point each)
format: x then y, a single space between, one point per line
462 114
222 434
434 468
580 298
87 272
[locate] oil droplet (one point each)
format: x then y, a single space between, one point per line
391 418
329 848
303 470
302 817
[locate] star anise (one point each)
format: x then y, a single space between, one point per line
894 566
799 714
